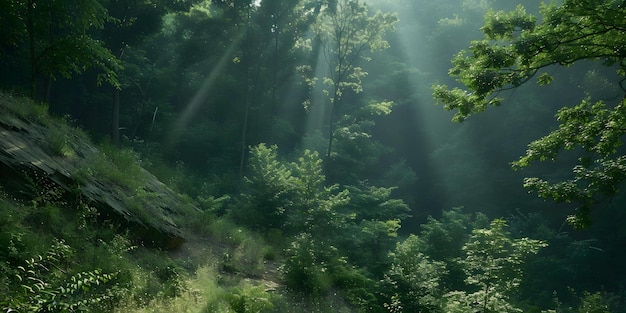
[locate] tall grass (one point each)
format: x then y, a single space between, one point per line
202 294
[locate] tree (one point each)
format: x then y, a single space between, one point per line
266 41
56 36
517 48
413 282
233 62
270 196
443 239
134 22
493 264
291 196
317 205
344 31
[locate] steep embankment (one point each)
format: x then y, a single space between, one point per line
35 145
73 212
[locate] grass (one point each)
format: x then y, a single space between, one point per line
31 231
135 278
119 166
201 292
24 108
58 142
145 280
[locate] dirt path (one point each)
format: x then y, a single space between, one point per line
199 251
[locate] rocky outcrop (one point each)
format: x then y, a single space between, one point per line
34 144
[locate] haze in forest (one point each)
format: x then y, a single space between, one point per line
319 156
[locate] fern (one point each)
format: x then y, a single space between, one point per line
41 292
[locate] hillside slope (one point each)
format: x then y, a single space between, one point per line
36 145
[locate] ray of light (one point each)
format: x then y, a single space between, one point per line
205 89
433 141
317 113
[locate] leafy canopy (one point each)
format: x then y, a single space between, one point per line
516 48
493 265
59 35
345 33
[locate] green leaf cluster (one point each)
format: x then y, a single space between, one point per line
518 46
458 263
42 292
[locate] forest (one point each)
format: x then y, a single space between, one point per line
312 156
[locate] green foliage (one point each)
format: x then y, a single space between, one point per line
595 129
517 46
118 166
329 243
139 205
86 52
250 299
200 219
59 143
461 301
358 289
357 154
502 25
306 268
493 265
413 283
369 242
443 239
225 231
47 288
246 258
376 203
593 303
426 270
345 31
270 183
23 108
317 208
598 302
290 195
38 258
170 278
376 218
57 37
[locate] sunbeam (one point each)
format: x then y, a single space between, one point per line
205 89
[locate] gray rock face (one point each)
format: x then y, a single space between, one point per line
32 143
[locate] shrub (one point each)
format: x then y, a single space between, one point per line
250 299
46 287
305 269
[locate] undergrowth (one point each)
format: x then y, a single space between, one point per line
58 253
55 255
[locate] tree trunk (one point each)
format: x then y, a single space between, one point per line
31 42
244 130
331 128
338 77
115 128
48 88
274 78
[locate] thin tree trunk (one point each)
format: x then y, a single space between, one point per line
244 130
487 287
116 118
242 156
115 122
31 41
48 88
274 78
331 126
338 76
